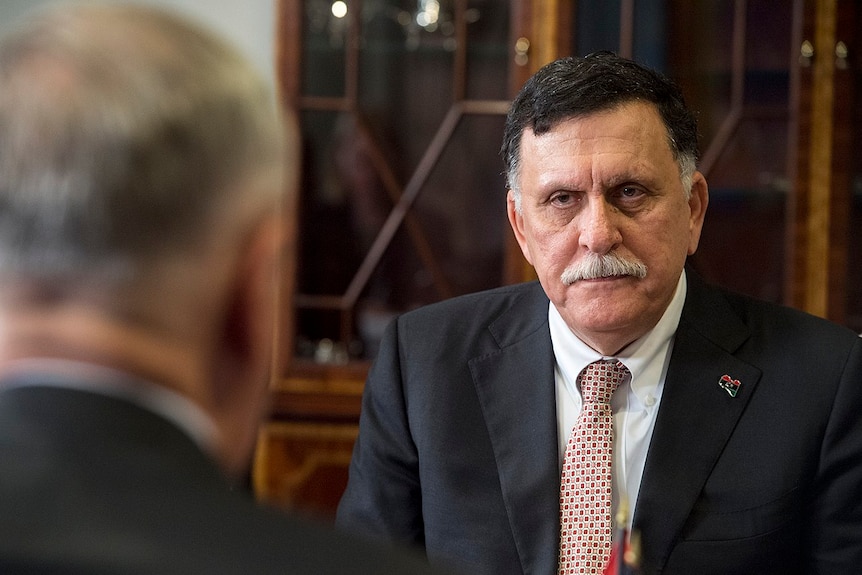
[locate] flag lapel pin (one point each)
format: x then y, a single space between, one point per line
730 385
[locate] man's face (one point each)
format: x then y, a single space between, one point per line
607 183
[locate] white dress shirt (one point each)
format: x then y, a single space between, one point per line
634 404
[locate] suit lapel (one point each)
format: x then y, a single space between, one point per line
515 387
695 419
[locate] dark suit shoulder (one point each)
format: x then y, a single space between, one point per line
476 323
758 311
498 299
94 484
729 319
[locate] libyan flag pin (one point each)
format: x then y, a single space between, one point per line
730 385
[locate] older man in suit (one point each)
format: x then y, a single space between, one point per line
140 236
502 429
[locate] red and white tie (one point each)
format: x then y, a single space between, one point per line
585 485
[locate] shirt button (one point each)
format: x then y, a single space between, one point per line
649 401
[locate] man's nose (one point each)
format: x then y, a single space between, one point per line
599 226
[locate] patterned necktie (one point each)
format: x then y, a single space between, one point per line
585 485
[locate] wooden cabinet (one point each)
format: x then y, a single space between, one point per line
826 250
400 202
400 199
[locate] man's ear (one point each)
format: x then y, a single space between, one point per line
250 312
242 358
697 203
516 220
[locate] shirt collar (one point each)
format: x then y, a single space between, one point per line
641 356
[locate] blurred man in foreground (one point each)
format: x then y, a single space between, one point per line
140 180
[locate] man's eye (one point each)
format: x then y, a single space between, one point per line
630 192
562 198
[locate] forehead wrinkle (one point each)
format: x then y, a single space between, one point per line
590 171
635 172
622 168
578 154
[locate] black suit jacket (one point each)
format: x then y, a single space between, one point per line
94 485
458 443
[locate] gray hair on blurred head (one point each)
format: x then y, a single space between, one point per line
126 133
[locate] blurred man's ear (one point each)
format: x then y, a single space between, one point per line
250 313
242 362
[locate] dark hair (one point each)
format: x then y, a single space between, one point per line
572 86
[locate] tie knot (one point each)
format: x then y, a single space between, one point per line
600 379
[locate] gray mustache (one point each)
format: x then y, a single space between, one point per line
603 266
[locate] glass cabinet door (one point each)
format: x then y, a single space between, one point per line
401 104
401 195
733 61
399 202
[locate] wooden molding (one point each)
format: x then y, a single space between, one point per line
816 293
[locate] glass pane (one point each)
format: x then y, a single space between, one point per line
338 182
744 135
464 205
358 268
743 243
324 41
648 33
597 26
488 53
406 83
